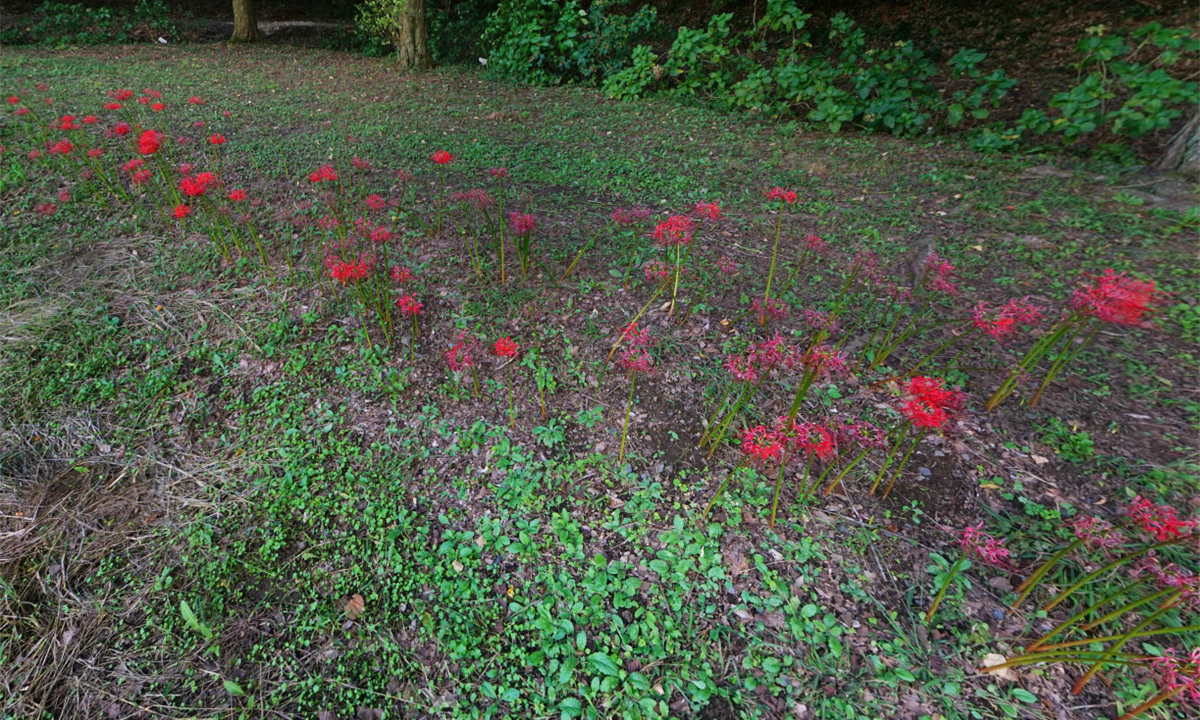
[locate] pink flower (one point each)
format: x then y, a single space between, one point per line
675 230
404 176
1002 322
182 211
742 368
709 210
442 157
1179 675
401 275
21 111
726 265
1158 521
820 320
635 336
505 347
460 357
185 169
976 543
1117 298
133 165
778 193
46 209
815 244
95 152
1096 532
498 172
375 202
141 176
35 154
477 198
359 163
381 235
409 306
195 101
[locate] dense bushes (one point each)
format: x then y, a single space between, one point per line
62 24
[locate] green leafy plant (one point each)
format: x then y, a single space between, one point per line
1072 446
550 434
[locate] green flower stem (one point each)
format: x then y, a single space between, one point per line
628 410
762 320
721 489
954 569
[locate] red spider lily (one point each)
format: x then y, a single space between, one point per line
742 368
158 107
636 359
1179 676
634 336
195 101
974 542
1117 298
812 439
325 173
67 122
498 172
375 202
359 163
64 195
477 197
404 176
185 169
216 139
13 100
820 320
43 87
505 348
709 210
347 271
62 147
149 142
192 187
381 235
726 265
939 274
182 211
815 244
860 433
35 154
655 269
762 444
90 120
144 100
95 152
401 275
112 106
133 165
409 306
327 222
771 352
199 124
1096 532
931 404
237 195
21 111
122 128
442 157
1158 521
1003 321
521 223
122 94
46 209
141 176
675 230
772 308
778 193
825 361
460 357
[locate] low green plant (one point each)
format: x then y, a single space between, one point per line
550 434
1074 446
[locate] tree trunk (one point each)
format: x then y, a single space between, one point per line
1183 152
245 23
410 36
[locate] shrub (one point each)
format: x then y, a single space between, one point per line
63 24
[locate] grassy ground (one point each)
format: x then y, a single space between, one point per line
218 502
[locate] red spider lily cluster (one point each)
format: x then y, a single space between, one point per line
978 544
785 196
461 356
505 347
708 210
1117 298
1160 522
1004 321
442 157
409 306
1178 676
930 405
323 174
939 274
771 307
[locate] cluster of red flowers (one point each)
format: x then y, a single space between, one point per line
773 308
498 172
67 122
182 211
778 193
726 265
197 186
46 209
808 439
1117 298
476 198
1002 321
930 404
635 358
1096 532
149 142
675 230
655 269
628 216
815 244
216 139
360 164
976 543
709 210
325 173
1158 521
505 348
442 157
375 202
401 275
346 271
521 223
62 147
460 356
1179 675
939 274
409 306
825 361
237 195
820 320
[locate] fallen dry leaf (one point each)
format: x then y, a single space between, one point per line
993 659
355 606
